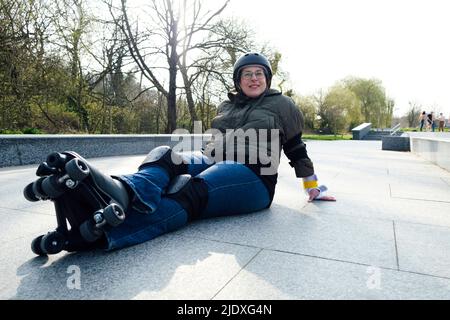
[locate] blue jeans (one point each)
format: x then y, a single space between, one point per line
225 180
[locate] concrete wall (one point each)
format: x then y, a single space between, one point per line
16 150
434 147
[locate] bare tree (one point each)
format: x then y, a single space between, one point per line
212 71
71 21
197 23
177 30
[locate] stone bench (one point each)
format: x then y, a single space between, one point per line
360 131
395 143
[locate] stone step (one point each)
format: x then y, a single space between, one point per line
373 135
381 133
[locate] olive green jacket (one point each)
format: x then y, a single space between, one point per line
272 116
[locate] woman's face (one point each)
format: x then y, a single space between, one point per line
253 81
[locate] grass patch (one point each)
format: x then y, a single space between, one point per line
446 129
23 131
327 137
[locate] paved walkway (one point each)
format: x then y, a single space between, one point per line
387 237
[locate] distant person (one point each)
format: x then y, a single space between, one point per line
422 118
430 122
441 122
433 122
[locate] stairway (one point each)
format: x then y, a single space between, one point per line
378 134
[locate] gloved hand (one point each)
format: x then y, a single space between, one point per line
314 191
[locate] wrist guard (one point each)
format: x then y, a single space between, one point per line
311 182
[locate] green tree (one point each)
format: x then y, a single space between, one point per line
309 109
33 79
375 106
413 113
340 110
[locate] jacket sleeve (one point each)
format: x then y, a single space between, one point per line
293 146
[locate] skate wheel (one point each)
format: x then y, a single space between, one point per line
37 189
52 242
89 232
51 188
114 214
57 160
36 246
29 194
77 169
45 170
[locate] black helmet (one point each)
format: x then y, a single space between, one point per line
251 58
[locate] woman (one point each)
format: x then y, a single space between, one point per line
441 122
422 118
430 121
172 188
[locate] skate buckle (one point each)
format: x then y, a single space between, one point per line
70 184
99 219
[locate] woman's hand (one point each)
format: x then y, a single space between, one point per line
314 191
315 194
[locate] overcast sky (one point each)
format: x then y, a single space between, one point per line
403 43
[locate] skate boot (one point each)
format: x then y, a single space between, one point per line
85 199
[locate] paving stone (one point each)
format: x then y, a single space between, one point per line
423 249
355 239
386 208
276 275
170 267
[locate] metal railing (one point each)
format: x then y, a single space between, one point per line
394 129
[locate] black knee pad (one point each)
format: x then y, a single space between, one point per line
191 193
166 158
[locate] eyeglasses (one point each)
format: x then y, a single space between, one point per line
248 75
